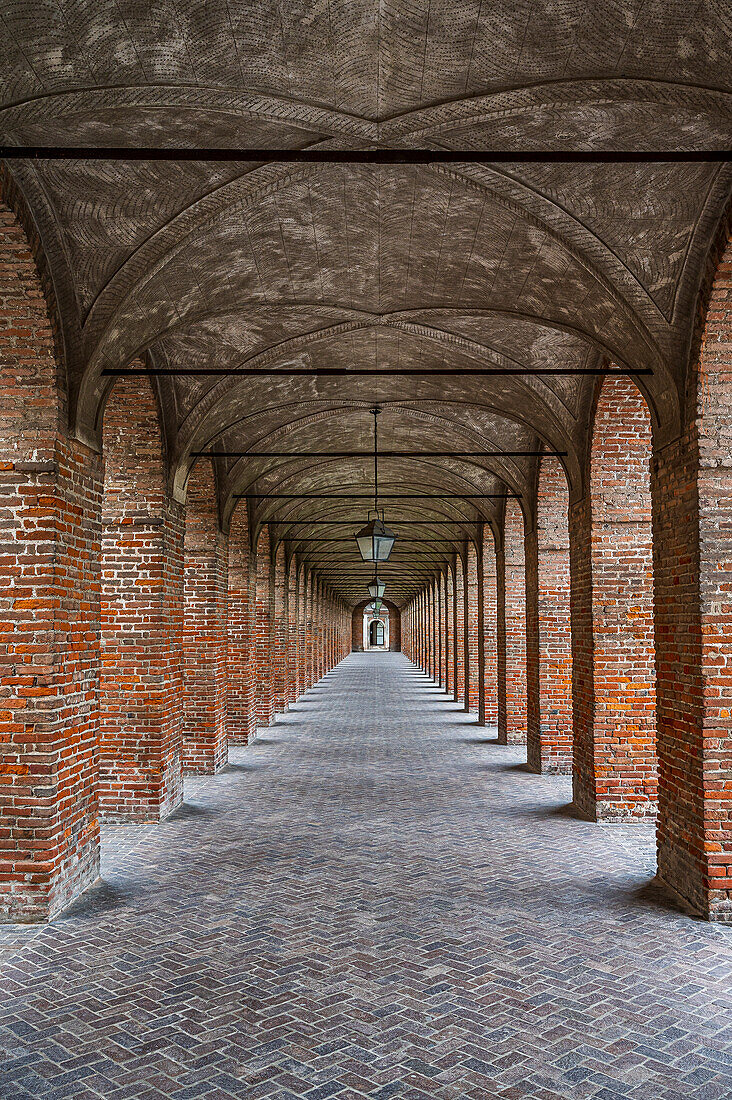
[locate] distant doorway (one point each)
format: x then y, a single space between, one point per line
375 628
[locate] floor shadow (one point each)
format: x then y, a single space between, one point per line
478 740
101 897
190 810
653 894
231 769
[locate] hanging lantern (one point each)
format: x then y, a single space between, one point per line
376 588
377 607
375 540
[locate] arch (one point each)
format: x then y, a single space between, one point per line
141 675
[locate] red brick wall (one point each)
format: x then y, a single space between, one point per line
490 690
50 515
692 505
140 691
550 740
616 773
241 717
514 730
205 649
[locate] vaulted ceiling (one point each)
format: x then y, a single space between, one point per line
199 265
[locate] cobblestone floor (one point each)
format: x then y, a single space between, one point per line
374 899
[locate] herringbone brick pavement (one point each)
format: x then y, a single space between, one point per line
373 900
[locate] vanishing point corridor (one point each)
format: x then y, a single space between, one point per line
373 899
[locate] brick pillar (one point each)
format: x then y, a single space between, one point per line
531 588
432 632
292 631
280 633
460 648
615 773
692 518
514 731
490 627
468 672
443 630
449 644
205 649
263 631
241 721
140 689
310 589
550 738
480 628
50 514
455 635
471 606
501 640
301 631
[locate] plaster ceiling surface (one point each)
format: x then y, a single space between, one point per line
391 268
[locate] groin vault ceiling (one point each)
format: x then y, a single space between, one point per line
428 267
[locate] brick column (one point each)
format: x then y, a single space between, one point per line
241 721
490 626
531 588
471 605
280 633
615 773
550 738
501 640
263 631
459 631
514 731
468 672
50 515
291 594
455 635
449 645
140 688
205 649
480 628
692 534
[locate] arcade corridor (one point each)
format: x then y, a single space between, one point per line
374 899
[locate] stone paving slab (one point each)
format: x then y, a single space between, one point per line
372 900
